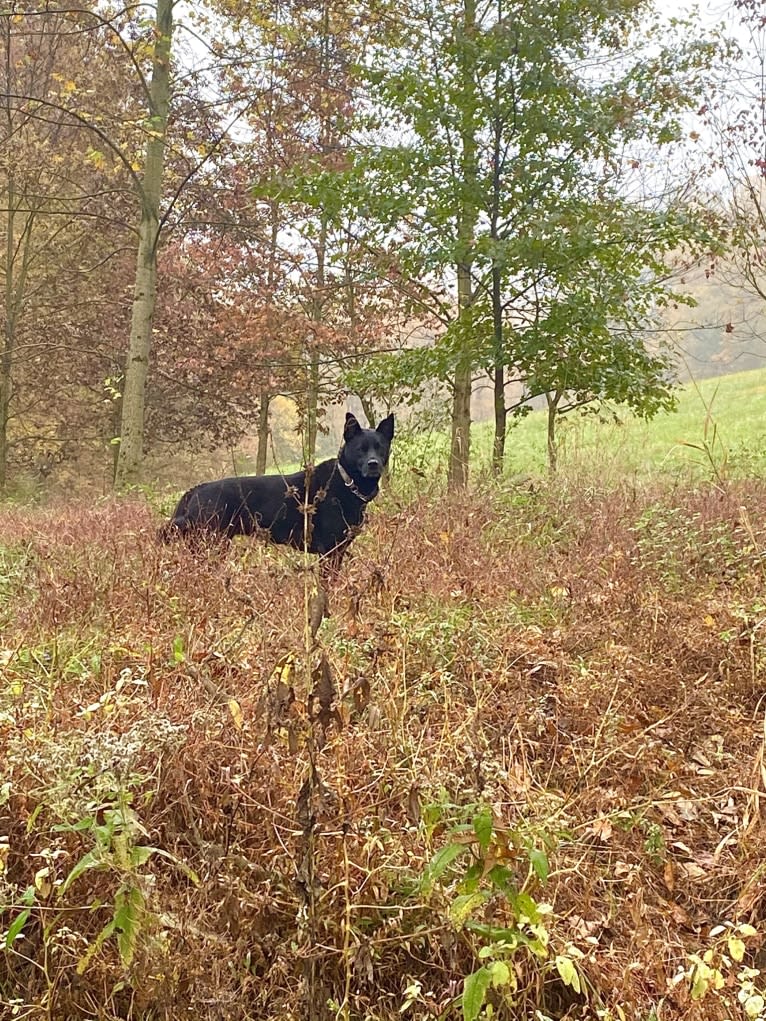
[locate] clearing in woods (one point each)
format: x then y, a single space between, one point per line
522 771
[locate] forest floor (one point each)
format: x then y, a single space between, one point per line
519 775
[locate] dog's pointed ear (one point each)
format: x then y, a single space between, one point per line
386 428
351 428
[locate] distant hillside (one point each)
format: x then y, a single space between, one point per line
725 332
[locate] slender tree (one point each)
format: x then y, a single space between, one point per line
137 363
467 215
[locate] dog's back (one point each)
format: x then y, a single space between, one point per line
237 506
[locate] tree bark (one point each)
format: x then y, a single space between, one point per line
498 338
266 395
9 340
312 408
501 415
552 400
18 253
6 354
263 433
368 408
131 451
14 288
460 447
312 377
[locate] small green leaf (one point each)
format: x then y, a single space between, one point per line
566 968
482 827
500 974
16 926
462 906
502 877
140 855
106 932
539 862
474 990
526 908
92 860
440 862
754 1005
700 981
512 938
472 878
128 915
77 827
736 948
411 994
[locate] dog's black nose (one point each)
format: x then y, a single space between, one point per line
374 466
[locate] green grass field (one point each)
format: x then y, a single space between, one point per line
718 428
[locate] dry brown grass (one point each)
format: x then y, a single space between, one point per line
587 666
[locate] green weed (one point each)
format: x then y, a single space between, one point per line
491 876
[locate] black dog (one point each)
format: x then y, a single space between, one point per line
276 505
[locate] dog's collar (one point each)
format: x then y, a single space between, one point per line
350 484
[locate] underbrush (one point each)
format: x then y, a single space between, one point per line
519 775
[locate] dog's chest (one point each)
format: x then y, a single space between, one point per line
335 515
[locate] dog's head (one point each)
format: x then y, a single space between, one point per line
365 451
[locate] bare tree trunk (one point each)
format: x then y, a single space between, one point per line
498 442
18 253
499 355
131 452
6 362
501 415
9 334
6 354
115 419
131 449
266 396
552 400
9 340
368 408
312 408
312 379
263 433
460 447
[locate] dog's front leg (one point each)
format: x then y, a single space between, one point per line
330 564
329 569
